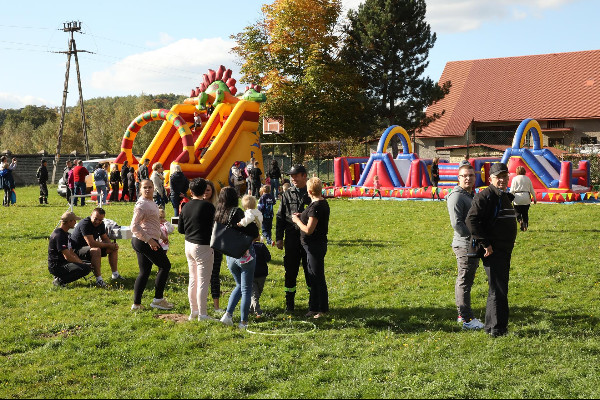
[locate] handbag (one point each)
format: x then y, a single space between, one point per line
228 240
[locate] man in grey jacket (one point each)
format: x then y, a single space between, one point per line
459 202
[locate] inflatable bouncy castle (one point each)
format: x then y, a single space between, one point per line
408 176
228 132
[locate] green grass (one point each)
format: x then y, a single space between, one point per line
391 332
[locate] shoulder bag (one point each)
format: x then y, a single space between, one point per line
228 240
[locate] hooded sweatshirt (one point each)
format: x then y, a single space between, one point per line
459 203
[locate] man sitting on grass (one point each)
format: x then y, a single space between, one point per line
91 243
63 263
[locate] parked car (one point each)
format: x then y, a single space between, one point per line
90 165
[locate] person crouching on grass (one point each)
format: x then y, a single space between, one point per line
314 225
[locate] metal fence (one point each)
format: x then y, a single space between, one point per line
317 157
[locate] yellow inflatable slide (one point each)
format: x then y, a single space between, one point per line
228 133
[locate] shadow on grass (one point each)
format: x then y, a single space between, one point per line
361 242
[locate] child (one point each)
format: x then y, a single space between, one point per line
251 215
263 256
285 187
265 206
376 187
165 228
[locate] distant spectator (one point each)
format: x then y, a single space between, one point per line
79 174
42 178
265 206
65 178
143 172
179 186
115 181
376 187
157 177
63 263
435 178
101 180
256 180
275 177
131 181
7 183
197 121
522 188
12 165
237 178
124 181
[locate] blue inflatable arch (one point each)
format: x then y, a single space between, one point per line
529 125
389 134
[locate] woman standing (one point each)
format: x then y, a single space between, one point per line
243 273
210 195
196 222
435 178
115 180
158 179
124 174
523 190
179 186
314 226
145 226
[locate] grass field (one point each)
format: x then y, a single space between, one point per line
392 331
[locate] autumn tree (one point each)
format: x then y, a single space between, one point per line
292 51
388 41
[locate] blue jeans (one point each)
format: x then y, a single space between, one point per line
102 193
80 189
175 201
275 187
243 275
267 229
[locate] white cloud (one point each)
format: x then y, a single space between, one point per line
11 100
465 15
348 4
163 40
175 68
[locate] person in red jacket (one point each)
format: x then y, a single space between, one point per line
79 174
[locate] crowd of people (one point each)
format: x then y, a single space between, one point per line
485 228
303 218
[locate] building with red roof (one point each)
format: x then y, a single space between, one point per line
490 97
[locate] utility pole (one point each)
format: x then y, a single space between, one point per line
71 27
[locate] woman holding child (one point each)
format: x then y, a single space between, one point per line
242 269
314 226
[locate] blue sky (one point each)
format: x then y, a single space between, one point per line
156 46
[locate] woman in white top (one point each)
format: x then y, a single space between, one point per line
522 188
158 179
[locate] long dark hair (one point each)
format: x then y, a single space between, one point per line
228 200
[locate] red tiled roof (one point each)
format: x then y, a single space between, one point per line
547 86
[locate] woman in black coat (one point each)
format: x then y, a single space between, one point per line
179 186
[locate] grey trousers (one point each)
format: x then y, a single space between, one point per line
257 288
467 266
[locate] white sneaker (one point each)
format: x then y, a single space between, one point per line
473 324
459 320
161 304
100 283
137 307
227 320
57 282
206 318
118 277
242 326
193 316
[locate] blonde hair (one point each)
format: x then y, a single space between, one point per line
156 166
315 186
114 167
521 170
249 202
175 168
265 189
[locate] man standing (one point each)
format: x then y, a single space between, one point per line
90 242
63 263
143 174
65 178
493 224
459 203
294 200
79 174
42 177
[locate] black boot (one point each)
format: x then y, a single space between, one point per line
289 301
41 200
45 200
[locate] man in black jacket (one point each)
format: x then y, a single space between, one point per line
294 200
42 177
493 224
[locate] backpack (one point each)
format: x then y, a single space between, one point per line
109 224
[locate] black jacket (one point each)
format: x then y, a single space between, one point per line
179 184
293 201
492 219
42 174
263 256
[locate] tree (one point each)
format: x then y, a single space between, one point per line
388 41
292 51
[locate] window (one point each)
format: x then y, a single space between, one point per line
589 140
439 143
556 124
553 142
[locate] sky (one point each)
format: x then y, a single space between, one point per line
158 47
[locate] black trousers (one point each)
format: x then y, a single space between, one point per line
215 277
294 255
497 268
319 297
523 213
114 195
70 272
43 190
125 191
146 258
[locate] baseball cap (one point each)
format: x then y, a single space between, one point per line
68 216
297 169
498 168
